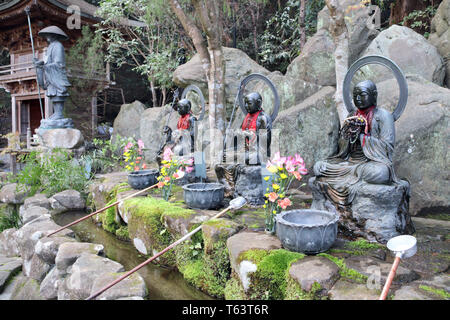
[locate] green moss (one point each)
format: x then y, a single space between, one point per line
208 272
122 233
147 215
255 256
218 223
108 219
439 292
269 280
234 290
363 244
295 292
344 271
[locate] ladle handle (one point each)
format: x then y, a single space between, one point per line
391 276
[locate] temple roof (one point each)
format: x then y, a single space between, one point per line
10 9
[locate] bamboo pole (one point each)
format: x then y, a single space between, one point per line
103 209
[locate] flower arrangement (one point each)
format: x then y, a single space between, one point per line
284 170
171 170
134 155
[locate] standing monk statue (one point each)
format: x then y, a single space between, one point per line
52 76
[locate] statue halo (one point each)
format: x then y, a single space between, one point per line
197 90
257 76
399 76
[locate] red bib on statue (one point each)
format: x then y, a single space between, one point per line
250 121
183 122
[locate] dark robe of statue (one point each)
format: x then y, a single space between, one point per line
176 140
254 122
51 72
366 147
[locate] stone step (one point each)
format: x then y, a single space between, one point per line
8 268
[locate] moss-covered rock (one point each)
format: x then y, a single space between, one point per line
217 230
269 279
146 228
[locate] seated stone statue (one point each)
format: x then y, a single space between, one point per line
363 161
256 136
176 139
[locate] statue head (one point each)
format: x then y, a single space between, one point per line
53 33
253 102
183 107
365 94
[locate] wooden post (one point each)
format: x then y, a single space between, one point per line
13 114
94 115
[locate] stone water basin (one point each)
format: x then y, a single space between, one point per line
203 195
306 230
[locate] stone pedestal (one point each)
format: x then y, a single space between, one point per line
249 184
377 213
64 138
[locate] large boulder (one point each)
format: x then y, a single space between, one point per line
309 128
9 266
81 276
421 140
440 35
151 125
237 66
403 46
360 27
11 194
132 286
315 63
68 200
32 213
126 124
38 200
8 243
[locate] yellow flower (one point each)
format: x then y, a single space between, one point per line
282 196
164 161
266 200
131 163
280 168
283 176
128 167
274 212
264 206
272 169
266 178
275 187
266 194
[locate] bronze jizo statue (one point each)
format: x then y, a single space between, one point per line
176 139
52 76
366 146
256 126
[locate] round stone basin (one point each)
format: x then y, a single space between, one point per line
143 178
308 231
203 195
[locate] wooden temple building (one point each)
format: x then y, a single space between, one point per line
19 77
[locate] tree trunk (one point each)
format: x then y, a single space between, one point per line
154 97
301 23
255 34
209 14
339 32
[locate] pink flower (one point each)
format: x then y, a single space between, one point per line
128 146
160 184
299 160
297 175
140 144
189 169
290 164
302 170
284 203
167 179
167 156
278 160
273 196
